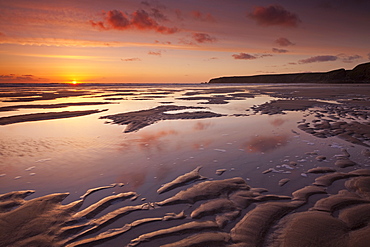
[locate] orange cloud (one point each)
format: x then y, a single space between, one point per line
131 59
274 15
155 53
140 19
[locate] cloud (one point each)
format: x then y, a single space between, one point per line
274 15
283 42
2 34
197 15
265 55
163 42
140 19
21 78
146 3
203 38
131 59
246 56
368 56
158 15
276 50
179 14
243 56
349 59
315 59
155 53
326 5
117 19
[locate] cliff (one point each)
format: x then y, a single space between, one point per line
359 74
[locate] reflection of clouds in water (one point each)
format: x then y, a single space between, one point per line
154 137
155 140
132 179
277 122
265 143
30 147
135 177
163 140
162 171
201 125
202 144
149 140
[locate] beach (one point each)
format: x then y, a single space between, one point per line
185 165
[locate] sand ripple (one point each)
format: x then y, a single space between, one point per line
226 212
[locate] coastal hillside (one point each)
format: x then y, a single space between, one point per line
359 74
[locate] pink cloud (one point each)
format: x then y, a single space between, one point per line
244 56
99 25
163 42
276 50
134 59
155 53
283 42
203 38
140 19
274 15
197 15
315 59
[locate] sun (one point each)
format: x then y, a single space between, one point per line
74 82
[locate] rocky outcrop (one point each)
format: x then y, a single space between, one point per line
360 74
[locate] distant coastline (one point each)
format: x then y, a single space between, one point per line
359 74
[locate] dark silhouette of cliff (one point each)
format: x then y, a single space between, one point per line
359 74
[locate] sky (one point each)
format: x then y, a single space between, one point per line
171 41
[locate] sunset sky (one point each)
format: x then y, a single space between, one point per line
178 41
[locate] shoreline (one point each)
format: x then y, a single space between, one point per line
265 187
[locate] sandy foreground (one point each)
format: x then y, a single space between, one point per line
329 205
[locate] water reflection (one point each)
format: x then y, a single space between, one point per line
201 125
155 141
202 144
265 143
277 122
133 178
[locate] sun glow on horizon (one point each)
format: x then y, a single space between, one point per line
73 82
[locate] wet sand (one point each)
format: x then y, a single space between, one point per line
140 119
231 213
50 106
44 116
325 204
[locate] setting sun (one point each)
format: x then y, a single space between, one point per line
74 82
